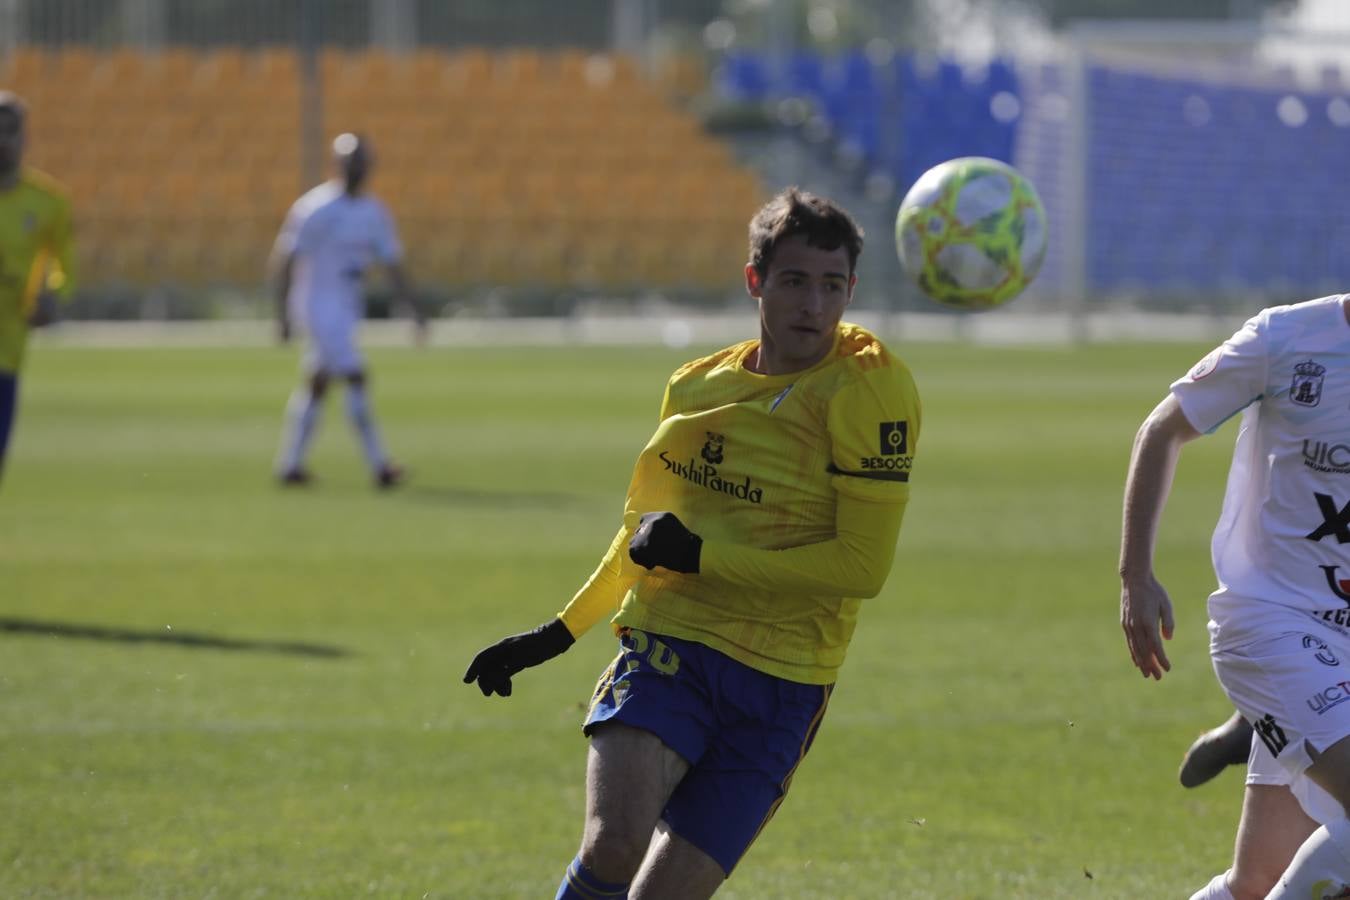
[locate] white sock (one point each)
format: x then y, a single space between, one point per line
1217 889
302 415
1320 868
358 409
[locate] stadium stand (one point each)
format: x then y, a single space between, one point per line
1222 183
901 116
1245 166
511 168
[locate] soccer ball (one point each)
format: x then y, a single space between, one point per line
971 233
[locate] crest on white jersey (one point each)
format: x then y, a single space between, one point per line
1306 388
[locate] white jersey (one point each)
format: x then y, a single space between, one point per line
1281 549
334 237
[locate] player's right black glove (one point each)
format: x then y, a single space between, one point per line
493 667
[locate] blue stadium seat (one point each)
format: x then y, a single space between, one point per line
744 76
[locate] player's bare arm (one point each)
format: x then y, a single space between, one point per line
1144 604
405 298
282 266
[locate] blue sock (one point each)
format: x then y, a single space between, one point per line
580 884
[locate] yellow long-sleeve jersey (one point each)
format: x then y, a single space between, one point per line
797 485
35 255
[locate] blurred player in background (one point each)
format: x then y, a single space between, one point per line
766 505
331 236
35 254
1279 635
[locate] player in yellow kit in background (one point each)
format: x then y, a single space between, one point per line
765 506
35 251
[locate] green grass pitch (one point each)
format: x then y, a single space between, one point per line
211 687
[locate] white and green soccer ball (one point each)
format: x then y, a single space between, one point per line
971 233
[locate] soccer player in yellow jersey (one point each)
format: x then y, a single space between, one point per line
35 251
762 511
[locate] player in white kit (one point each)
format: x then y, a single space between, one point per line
331 236
1280 618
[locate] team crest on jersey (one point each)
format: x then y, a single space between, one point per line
1306 389
712 450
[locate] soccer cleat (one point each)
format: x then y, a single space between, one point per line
295 477
390 475
1215 750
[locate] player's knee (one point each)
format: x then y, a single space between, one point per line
612 853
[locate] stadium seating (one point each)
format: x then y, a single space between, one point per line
515 168
899 116
1222 183
1197 184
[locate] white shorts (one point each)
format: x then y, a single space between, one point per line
1295 690
333 351
1262 768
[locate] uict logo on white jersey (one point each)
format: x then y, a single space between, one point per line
1323 456
1329 697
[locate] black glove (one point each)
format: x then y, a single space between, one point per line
662 540
493 667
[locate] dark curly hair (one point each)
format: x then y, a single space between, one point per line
826 224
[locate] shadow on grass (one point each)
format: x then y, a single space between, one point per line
457 496
177 638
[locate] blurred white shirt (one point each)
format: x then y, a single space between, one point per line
335 238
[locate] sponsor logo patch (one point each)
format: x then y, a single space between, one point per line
1338 617
894 438
706 476
1207 365
1323 654
1338 587
1335 520
1323 456
1329 697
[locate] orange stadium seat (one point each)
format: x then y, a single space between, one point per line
512 167
25 66
471 68
74 65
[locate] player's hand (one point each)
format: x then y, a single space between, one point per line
493 667
43 312
1144 606
283 331
662 540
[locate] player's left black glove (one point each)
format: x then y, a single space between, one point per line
662 540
